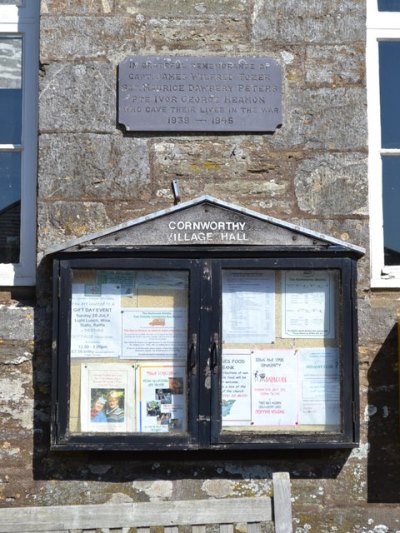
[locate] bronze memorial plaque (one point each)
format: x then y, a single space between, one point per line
238 94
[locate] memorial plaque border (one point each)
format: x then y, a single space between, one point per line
199 94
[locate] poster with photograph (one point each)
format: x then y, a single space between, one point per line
236 388
248 307
161 398
107 398
154 333
95 320
308 304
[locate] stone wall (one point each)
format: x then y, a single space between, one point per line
92 175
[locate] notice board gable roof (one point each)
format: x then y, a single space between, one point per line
204 221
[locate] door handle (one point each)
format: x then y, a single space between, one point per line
214 353
192 355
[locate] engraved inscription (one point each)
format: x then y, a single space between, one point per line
187 231
199 94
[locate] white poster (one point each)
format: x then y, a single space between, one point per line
236 388
308 305
162 398
296 387
319 381
274 388
107 398
95 320
248 307
154 333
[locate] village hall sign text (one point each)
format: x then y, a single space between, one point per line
200 231
199 94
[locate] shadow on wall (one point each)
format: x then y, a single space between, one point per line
383 425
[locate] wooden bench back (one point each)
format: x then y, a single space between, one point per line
169 515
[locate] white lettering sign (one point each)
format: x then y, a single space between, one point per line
207 231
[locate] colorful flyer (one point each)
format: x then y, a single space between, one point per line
274 388
161 390
296 387
154 333
107 398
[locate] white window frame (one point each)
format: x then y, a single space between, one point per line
380 26
24 21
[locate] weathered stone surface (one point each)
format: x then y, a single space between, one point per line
16 402
336 65
231 159
200 161
16 323
92 167
72 7
335 490
221 33
71 38
182 8
60 221
377 319
218 488
155 490
15 353
322 118
78 97
332 119
324 185
317 22
353 231
230 170
357 519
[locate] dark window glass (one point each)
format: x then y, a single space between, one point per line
391 209
10 116
10 200
389 75
10 157
10 90
388 5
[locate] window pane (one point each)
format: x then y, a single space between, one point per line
388 5
281 351
389 75
10 205
391 209
129 332
10 90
